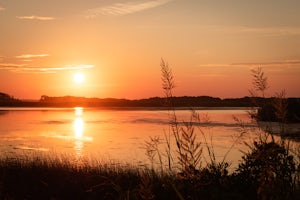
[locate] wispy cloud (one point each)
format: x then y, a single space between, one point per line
119 9
279 63
1 8
26 68
275 66
26 56
276 31
10 65
34 17
273 31
227 69
264 31
251 64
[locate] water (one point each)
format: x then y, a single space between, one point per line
114 135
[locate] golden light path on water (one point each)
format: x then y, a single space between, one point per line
78 127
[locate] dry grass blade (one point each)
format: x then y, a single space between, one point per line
260 81
152 149
191 150
167 79
168 86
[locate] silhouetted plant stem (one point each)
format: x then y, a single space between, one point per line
168 86
281 108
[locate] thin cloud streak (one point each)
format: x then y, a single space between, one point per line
264 31
119 9
10 65
25 68
273 31
274 66
281 63
251 64
2 8
34 17
26 56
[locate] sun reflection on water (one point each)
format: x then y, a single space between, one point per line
78 111
79 129
78 126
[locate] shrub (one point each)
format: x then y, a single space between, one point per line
267 170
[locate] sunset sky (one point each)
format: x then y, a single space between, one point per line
117 45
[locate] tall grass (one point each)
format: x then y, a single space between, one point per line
253 168
271 167
189 149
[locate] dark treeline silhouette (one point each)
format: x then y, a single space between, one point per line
183 101
6 100
266 111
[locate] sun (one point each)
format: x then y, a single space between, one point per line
78 77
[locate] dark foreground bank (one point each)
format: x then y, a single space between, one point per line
268 171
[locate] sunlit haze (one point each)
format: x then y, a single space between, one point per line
117 46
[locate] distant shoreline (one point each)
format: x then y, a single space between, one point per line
267 111
156 102
12 108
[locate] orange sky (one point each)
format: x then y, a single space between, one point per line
211 45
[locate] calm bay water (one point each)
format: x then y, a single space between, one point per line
112 135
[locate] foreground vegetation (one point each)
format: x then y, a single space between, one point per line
269 170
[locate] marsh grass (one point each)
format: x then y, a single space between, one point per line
36 178
60 178
189 136
268 171
271 166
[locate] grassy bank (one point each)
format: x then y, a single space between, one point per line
268 171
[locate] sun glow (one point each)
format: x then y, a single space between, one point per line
79 78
